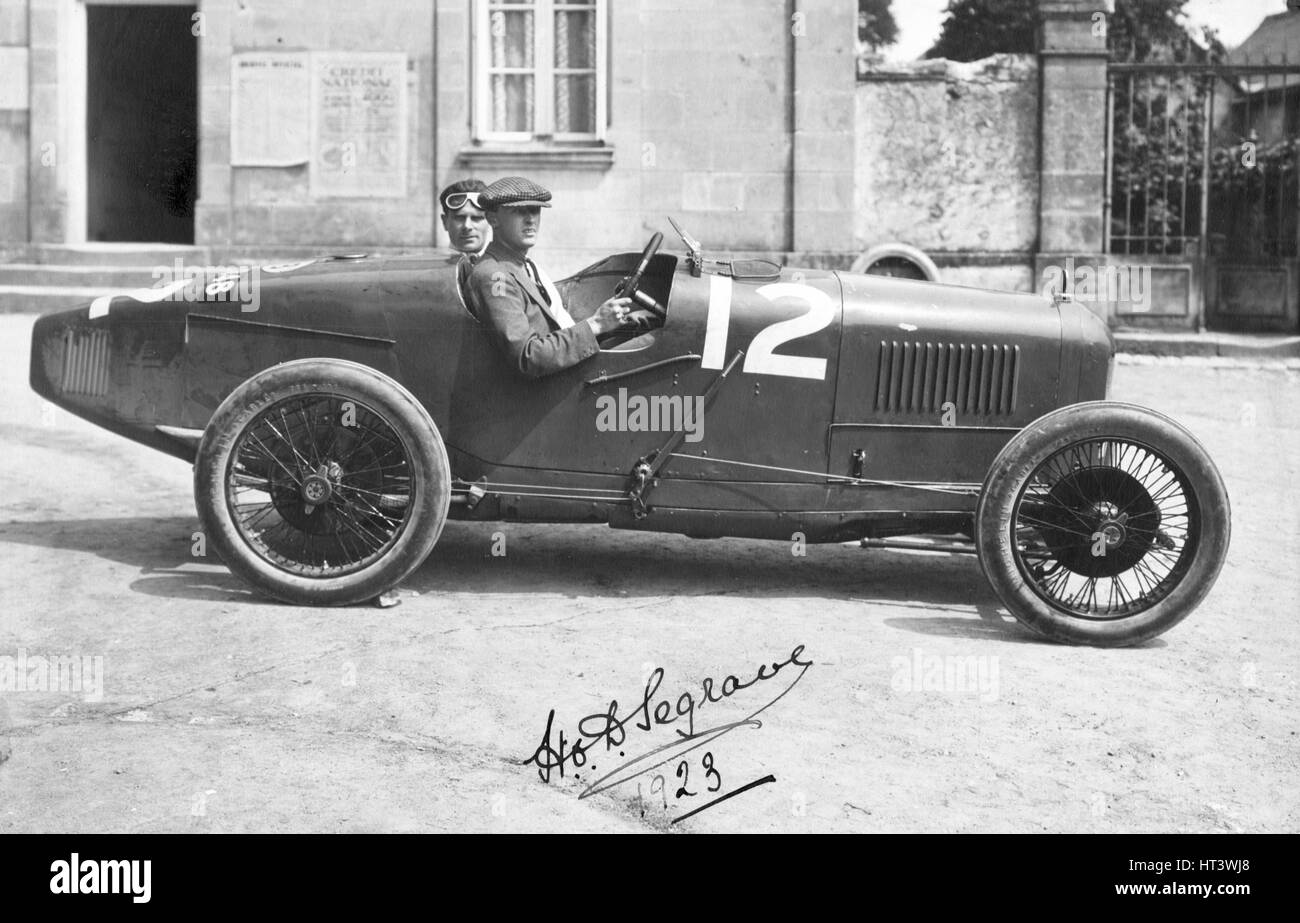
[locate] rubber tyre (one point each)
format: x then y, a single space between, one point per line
1077 423
430 490
896 252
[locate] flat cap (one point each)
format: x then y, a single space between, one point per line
514 191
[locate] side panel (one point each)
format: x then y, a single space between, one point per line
168 358
935 379
337 315
433 332
773 408
506 427
222 352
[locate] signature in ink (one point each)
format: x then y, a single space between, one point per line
560 753
712 784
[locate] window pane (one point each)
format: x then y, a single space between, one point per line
512 38
575 103
575 38
512 102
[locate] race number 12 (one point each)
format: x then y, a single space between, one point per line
762 358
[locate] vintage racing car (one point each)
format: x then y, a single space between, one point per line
335 428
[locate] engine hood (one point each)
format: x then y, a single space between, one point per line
916 308
911 350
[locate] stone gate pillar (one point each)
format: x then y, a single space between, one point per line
1072 185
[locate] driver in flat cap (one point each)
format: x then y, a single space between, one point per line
510 294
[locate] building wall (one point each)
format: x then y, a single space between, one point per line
742 118
731 117
704 124
241 206
947 161
14 121
699 123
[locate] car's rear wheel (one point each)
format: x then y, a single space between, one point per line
322 482
1102 523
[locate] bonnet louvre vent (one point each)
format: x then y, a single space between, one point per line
922 377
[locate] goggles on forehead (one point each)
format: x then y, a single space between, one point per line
457 201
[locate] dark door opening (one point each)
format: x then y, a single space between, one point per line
141 123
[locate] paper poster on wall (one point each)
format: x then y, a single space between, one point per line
359 111
270 109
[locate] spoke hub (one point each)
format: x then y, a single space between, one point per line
312 492
1099 521
1113 533
1103 528
318 487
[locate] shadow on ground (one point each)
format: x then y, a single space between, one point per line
577 562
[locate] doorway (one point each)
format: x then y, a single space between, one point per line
141 123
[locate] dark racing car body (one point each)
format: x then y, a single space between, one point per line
761 402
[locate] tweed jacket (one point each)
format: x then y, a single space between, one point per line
505 299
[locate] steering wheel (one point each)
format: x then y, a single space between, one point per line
629 287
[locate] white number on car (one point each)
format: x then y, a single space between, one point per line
762 358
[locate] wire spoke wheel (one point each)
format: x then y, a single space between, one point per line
320 485
1105 528
322 482
1102 523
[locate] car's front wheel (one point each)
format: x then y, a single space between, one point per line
322 482
1102 523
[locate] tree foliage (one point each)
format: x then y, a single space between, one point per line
1138 30
1155 31
876 26
975 29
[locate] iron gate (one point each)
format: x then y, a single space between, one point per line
1201 193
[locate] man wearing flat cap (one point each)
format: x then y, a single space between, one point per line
510 294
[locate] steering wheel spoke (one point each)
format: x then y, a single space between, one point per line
631 286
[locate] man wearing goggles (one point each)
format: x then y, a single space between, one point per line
466 226
463 218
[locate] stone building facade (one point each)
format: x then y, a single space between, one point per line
736 117
324 127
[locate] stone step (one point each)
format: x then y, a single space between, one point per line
113 254
62 276
1212 343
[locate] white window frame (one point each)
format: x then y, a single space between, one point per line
544 75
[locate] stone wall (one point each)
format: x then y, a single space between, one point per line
699 127
13 175
14 138
947 160
734 117
273 205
